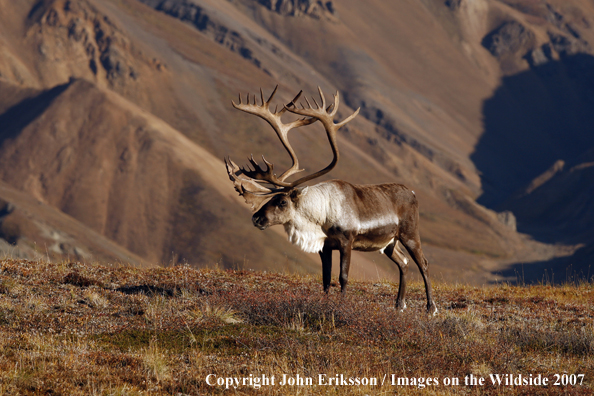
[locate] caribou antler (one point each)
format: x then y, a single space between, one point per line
253 193
282 130
247 180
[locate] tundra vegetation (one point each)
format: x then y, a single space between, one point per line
78 329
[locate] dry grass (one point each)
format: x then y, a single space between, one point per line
71 328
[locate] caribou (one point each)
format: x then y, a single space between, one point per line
335 214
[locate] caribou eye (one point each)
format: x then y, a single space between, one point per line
282 203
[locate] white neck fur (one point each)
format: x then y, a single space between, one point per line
318 205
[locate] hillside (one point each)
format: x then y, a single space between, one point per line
117 114
71 328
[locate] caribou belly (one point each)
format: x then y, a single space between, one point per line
373 242
376 235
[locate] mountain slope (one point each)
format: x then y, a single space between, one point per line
32 229
117 113
129 176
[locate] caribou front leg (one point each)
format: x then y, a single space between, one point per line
326 256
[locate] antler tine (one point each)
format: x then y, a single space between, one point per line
296 97
322 97
336 104
306 101
346 120
317 105
271 95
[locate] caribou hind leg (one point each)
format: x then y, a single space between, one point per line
345 264
412 244
395 253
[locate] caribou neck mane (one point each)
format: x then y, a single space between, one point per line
318 207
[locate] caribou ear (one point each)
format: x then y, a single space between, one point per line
296 193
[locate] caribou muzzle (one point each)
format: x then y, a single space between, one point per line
260 221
